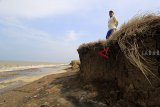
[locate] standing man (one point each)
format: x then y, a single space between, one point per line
112 24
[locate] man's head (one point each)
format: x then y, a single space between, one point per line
111 13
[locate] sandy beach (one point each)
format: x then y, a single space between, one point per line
29 94
63 89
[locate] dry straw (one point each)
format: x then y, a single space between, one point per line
130 39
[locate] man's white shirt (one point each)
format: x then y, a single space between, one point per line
112 23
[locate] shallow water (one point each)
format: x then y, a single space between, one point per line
12 79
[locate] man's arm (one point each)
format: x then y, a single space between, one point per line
116 21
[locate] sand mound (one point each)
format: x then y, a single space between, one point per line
133 58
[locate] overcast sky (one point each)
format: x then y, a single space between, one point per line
52 30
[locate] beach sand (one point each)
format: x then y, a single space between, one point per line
64 89
31 94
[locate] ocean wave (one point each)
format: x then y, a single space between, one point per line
5 68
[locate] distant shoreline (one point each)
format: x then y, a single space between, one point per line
2 62
22 65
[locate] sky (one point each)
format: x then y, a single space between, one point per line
52 30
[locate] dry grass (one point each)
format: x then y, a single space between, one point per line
130 41
91 44
75 64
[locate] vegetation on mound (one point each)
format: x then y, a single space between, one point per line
134 37
75 64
